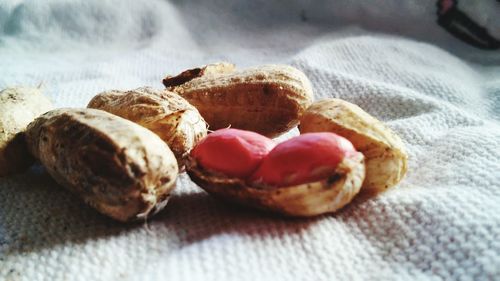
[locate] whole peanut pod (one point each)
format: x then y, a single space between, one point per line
116 166
18 107
167 114
385 153
267 99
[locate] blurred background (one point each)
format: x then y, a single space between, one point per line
131 43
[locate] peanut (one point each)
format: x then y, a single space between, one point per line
167 114
232 152
267 99
308 175
306 158
18 107
118 167
385 153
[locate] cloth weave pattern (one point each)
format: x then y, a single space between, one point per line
440 95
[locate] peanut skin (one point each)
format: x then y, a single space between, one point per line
167 114
302 159
18 107
116 166
385 153
268 99
232 152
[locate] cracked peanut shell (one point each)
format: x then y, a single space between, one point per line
267 99
302 200
167 114
385 154
116 166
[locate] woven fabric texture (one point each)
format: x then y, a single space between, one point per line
391 58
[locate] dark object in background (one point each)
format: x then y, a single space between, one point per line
460 24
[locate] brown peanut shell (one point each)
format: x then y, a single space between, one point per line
268 99
303 200
385 154
167 114
118 167
18 107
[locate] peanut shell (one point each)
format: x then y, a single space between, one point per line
18 107
385 154
303 200
167 114
268 99
116 166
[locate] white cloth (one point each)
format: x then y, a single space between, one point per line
391 58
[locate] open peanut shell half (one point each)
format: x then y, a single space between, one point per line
303 200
